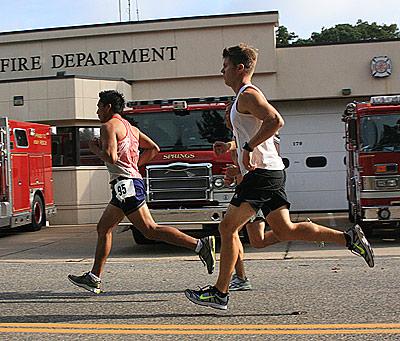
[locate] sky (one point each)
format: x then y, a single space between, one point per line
300 16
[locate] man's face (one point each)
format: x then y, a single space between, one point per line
229 71
103 111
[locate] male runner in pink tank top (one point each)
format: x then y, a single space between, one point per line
118 147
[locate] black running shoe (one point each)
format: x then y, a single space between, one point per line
209 297
239 284
359 245
86 282
207 253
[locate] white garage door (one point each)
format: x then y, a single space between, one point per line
313 144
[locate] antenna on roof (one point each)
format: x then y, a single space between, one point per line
119 9
137 10
129 9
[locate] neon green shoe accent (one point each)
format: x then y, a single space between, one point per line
362 251
202 297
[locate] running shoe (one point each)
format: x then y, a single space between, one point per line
207 253
239 284
86 282
359 245
208 296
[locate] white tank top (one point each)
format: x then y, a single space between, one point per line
245 126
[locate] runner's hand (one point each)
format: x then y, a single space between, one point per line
231 174
247 160
94 145
220 147
232 171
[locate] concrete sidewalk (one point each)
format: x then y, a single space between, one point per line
76 243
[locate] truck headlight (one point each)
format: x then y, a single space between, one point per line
384 213
218 182
381 183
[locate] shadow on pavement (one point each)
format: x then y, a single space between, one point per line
132 317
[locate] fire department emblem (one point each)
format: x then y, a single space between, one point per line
381 67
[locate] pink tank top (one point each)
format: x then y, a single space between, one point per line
128 155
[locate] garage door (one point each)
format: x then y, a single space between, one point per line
313 149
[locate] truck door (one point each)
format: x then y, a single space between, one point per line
36 167
20 183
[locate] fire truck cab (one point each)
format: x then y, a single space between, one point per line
372 161
26 183
184 182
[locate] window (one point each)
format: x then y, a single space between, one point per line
183 130
380 133
70 146
21 138
86 157
286 162
63 143
316 161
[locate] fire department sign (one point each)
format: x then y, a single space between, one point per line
381 67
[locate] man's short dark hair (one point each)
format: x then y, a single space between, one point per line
242 54
114 98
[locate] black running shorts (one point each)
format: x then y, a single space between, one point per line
263 189
132 203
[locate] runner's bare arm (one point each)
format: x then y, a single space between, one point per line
252 102
106 148
150 149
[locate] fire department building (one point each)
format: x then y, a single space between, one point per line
53 76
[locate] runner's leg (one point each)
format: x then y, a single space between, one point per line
144 222
234 219
111 217
284 229
258 237
239 266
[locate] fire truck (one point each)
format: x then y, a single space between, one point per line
372 161
26 183
184 182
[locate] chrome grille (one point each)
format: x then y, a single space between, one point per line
179 182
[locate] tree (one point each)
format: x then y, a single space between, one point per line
341 33
284 37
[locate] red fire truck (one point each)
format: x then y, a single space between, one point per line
26 183
184 182
373 158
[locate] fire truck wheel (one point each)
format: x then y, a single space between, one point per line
139 238
38 214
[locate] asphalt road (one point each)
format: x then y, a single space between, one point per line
300 291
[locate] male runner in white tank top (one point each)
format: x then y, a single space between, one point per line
118 147
255 121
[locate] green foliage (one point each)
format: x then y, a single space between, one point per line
284 37
341 33
212 127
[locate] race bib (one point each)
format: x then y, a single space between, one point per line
124 189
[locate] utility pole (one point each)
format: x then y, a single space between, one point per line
129 9
119 8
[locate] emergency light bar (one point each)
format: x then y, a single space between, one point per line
385 100
132 104
179 105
